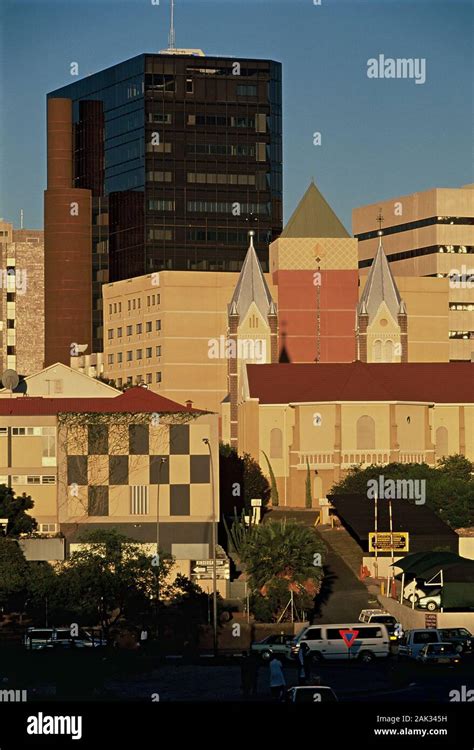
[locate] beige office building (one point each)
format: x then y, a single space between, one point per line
428 234
168 330
21 299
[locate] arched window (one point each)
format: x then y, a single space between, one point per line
388 351
365 433
276 443
441 442
377 351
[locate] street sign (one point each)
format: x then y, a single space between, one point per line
203 569
349 636
431 621
386 541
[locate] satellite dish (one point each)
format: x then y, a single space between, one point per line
10 379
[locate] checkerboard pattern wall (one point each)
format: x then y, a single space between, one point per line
101 462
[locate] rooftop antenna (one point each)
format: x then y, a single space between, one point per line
21 218
171 37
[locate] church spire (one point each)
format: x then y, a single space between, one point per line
251 286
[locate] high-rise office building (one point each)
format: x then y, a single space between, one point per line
428 234
21 299
182 155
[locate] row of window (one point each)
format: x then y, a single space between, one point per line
224 207
461 335
29 431
211 178
138 329
139 379
430 250
139 355
464 306
221 149
29 479
463 220
161 205
222 121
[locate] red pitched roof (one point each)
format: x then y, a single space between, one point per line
437 382
136 400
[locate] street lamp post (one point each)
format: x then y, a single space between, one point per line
160 467
214 545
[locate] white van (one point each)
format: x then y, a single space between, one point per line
326 641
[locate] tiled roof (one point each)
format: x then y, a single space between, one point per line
138 399
437 382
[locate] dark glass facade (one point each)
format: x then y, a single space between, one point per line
183 155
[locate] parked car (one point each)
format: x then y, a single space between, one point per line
48 638
438 653
461 638
278 644
431 601
327 642
412 641
311 694
381 615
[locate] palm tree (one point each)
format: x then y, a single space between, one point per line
283 551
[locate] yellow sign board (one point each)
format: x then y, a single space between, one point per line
386 541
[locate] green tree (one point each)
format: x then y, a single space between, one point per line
448 495
288 552
110 577
248 471
14 508
457 467
273 484
13 575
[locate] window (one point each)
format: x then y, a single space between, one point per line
365 433
48 479
139 328
161 205
139 353
158 176
10 323
48 450
139 500
33 480
10 296
148 325
129 304
189 86
129 356
119 333
48 528
119 382
3 430
129 380
162 118
148 352
153 298
158 325
158 377
221 149
134 302
159 148
149 377
158 351
243 90
110 359
119 357
115 307
213 178
313 634
129 330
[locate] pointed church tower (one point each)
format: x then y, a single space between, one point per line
252 329
381 317
314 264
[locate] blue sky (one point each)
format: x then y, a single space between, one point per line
380 137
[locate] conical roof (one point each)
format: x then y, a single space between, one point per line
380 287
251 287
313 217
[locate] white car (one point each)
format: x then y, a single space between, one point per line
431 602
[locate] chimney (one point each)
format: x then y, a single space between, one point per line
189 405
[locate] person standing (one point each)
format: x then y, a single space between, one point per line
302 676
277 678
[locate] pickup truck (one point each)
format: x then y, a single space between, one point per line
413 641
